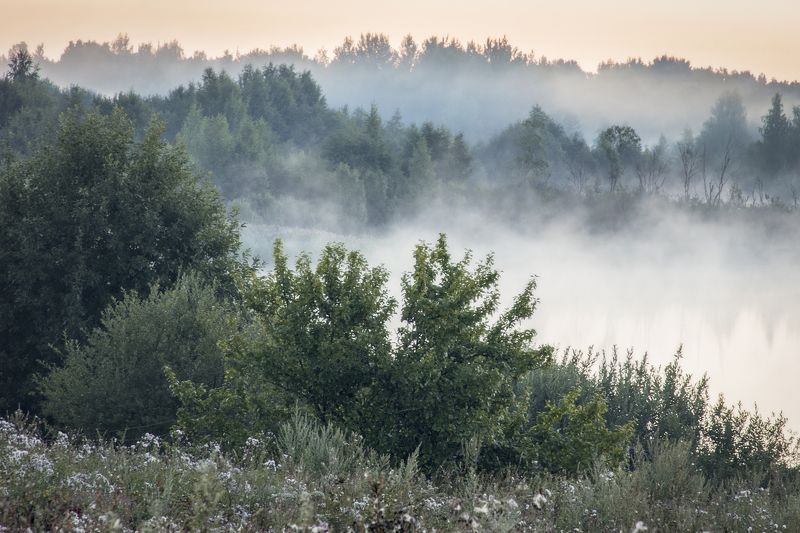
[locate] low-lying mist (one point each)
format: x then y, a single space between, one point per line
725 288
476 88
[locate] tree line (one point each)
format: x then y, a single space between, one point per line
270 141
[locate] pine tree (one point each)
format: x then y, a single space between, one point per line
774 143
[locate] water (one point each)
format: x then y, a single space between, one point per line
728 294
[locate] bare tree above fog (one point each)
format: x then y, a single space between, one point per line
724 138
714 184
652 166
689 156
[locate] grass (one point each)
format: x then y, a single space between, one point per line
312 478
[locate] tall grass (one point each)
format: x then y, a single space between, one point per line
310 477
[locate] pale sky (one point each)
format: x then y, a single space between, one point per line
760 36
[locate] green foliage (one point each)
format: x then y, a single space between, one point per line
114 381
319 450
668 405
453 372
228 415
88 218
325 335
320 337
571 437
775 137
735 442
291 103
29 106
219 96
21 65
360 144
664 403
621 146
420 177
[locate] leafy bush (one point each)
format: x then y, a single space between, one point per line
453 372
570 437
320 338
666 404
114 381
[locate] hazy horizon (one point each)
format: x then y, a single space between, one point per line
748 38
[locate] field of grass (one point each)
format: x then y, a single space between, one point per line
312 478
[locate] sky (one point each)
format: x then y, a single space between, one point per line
759 36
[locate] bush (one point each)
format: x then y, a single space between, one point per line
114 381
320 338
570 437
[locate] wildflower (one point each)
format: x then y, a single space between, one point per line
483 509
639 527
539 501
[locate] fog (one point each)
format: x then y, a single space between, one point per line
653 274
724 289
474 88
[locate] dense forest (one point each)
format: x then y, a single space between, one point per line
154 375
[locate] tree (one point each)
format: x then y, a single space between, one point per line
460 166
452 375
736 442
690 161
651 167
715 184
21 66
361 145
794 139
86 219
622 147
579 162
325 333
114 381
318 337
219 94
420 176
321 339
775 137
408 53
721 142
29 106
532 158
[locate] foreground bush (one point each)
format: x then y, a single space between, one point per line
114 383
323 341
317 478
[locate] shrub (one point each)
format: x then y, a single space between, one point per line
114 381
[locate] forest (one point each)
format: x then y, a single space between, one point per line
157 373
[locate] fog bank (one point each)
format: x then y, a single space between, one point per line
726 291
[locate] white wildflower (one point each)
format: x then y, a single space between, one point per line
483 509
539 501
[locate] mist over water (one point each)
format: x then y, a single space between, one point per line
728 292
